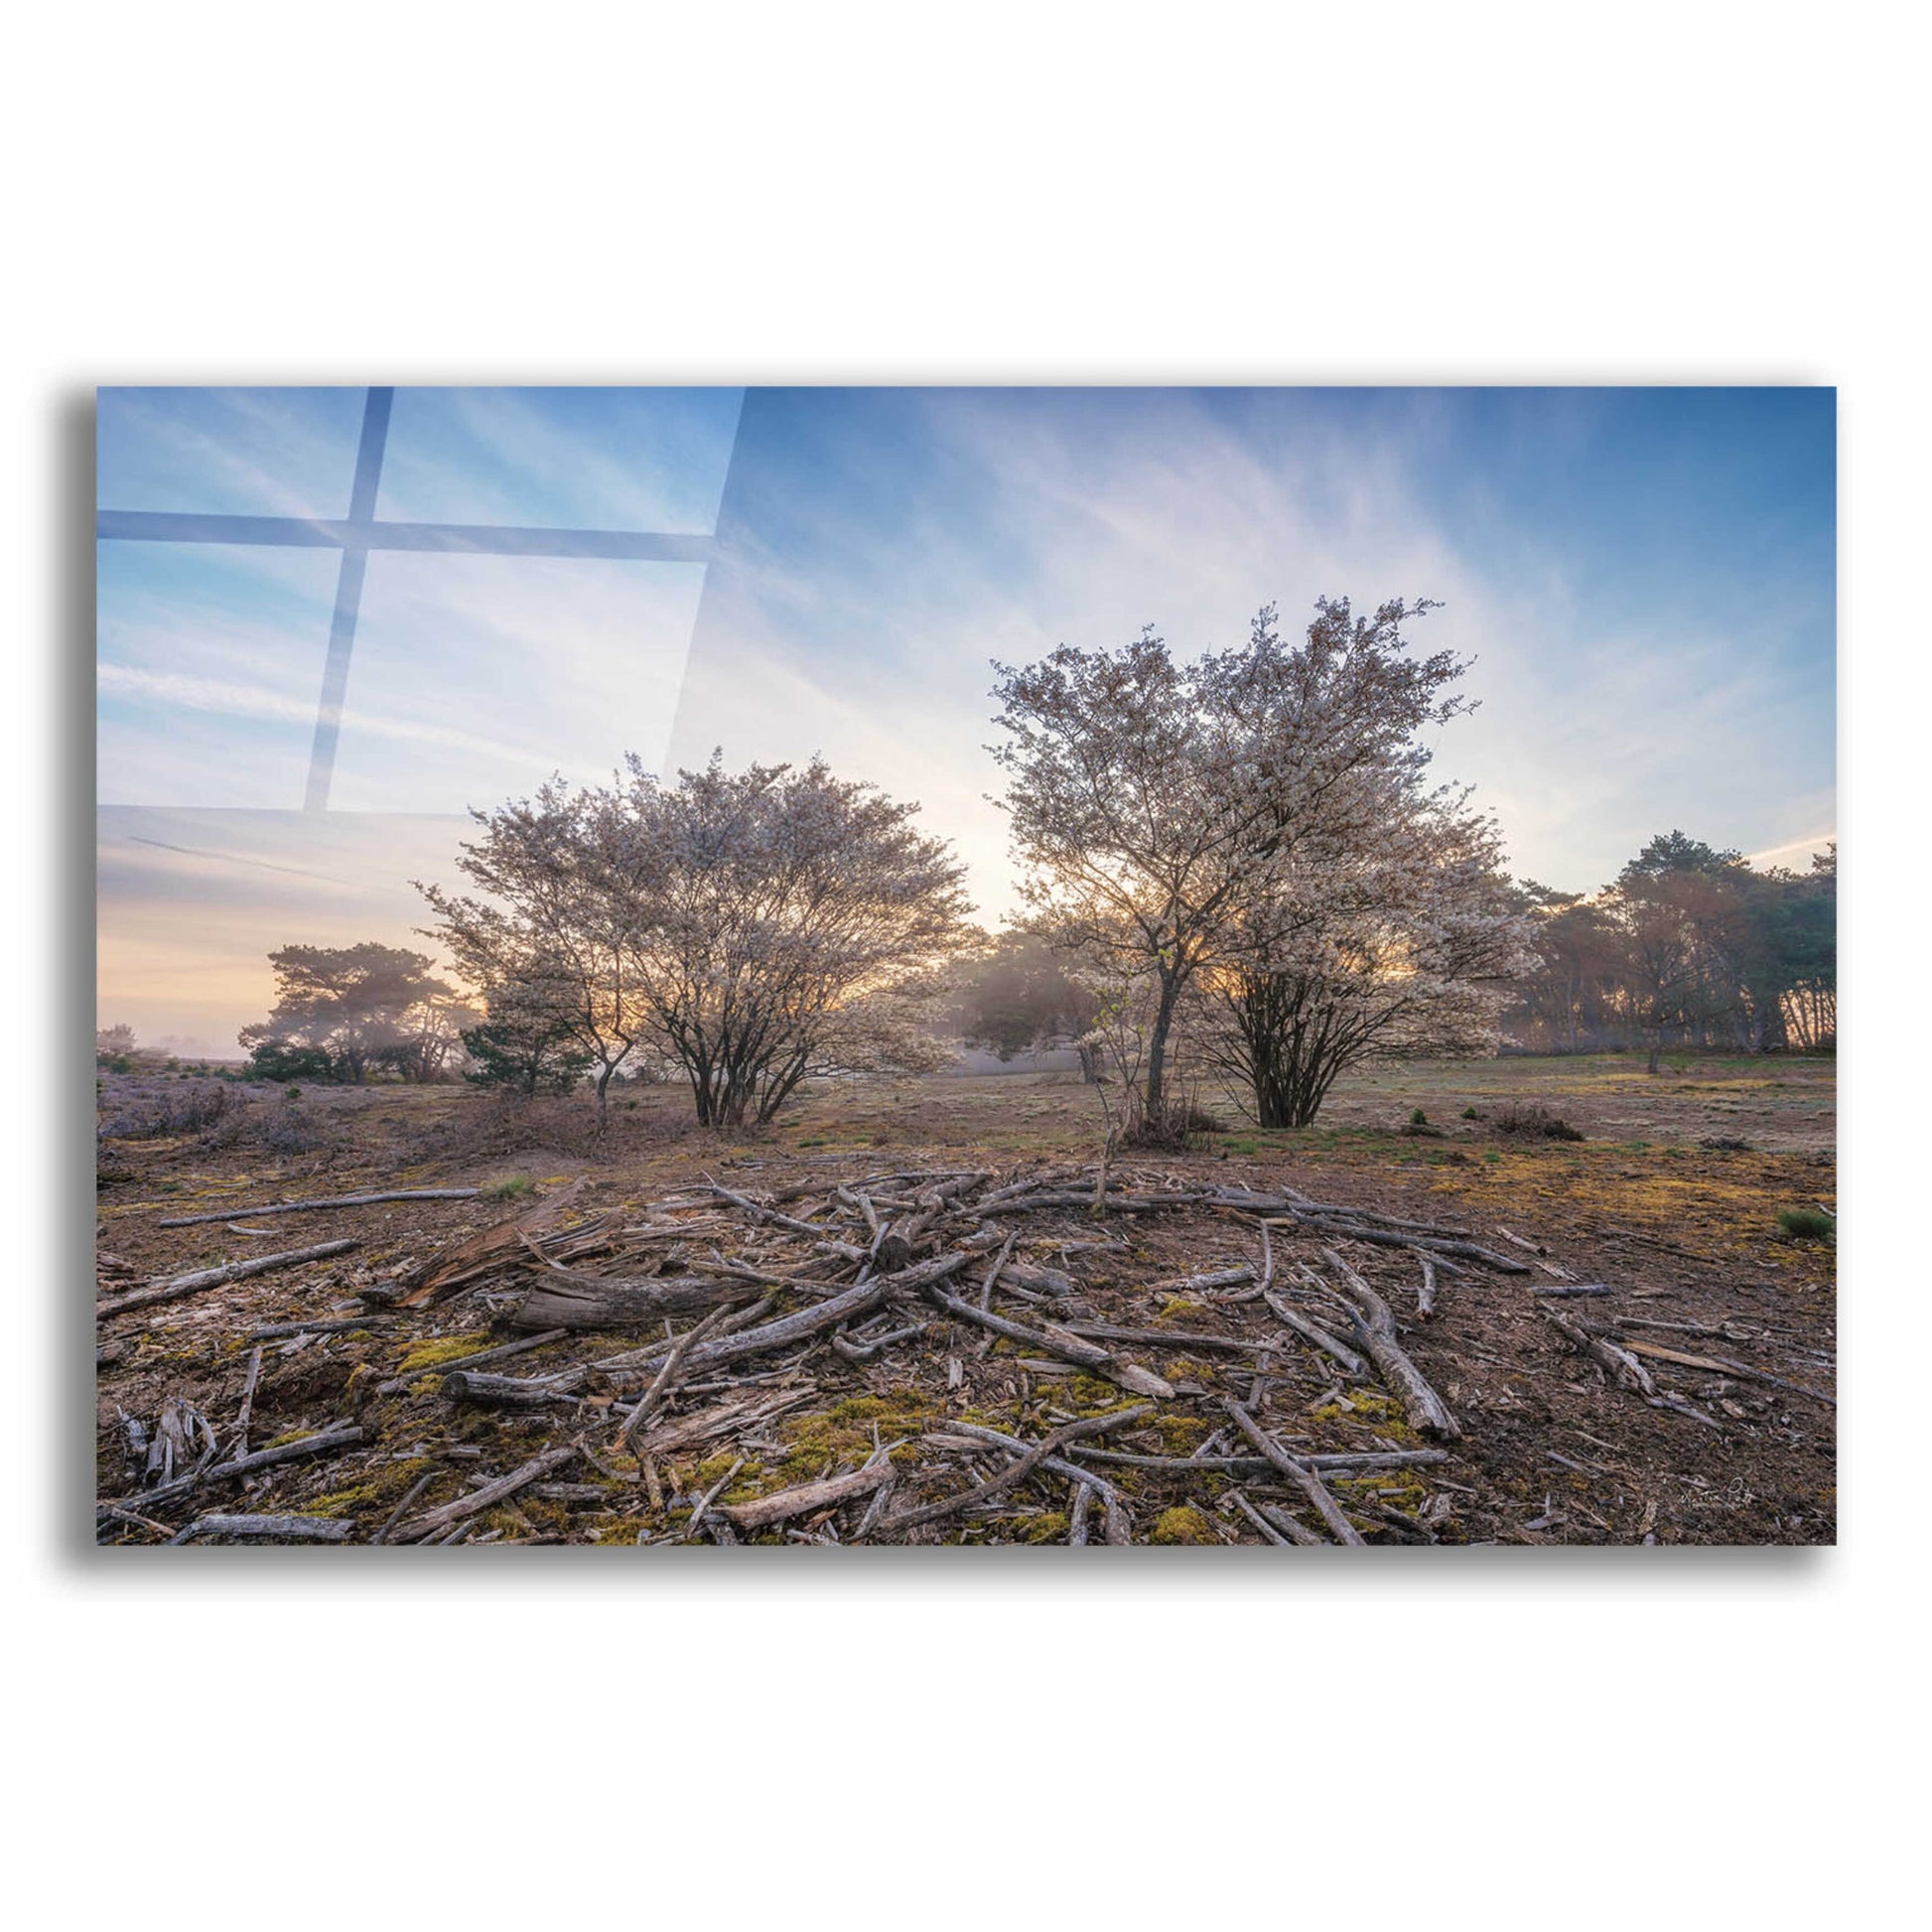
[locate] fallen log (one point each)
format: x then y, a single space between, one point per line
807 1497
1278 1526
245 1412
1345 1463
1083 1199
1016 1472
1724 1365
765 1216
662 1386
401 1510
205 1278
322 1206
562 1300
300 1529
739 1411
1178 1340
573 1495
494 1247
326 1441
1054 1282
1057 1341
1203 1283
1079 1507
869 1351
1020 1189
1374 1334
498 1354
1289 1203
811 1321
1429 1243
1312 1331
1117 1528
1303 1477
476 1390
491 1493
282 1331
1623 1367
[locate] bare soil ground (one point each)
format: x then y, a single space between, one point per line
1552 1449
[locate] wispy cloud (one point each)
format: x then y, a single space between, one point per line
856 613
242 701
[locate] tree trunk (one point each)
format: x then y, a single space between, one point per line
588 1302
1157 1047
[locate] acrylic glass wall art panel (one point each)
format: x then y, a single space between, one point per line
897 966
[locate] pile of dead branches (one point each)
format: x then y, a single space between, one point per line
664 1358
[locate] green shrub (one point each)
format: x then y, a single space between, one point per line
277 1060
1808 1223
1531 1120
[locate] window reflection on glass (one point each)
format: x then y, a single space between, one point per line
478 676
208 661
227 452
560 458
408 601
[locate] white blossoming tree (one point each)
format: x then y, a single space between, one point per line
1403 948
753 927
1192 829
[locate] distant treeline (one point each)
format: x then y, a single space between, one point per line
1689 948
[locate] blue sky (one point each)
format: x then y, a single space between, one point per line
1644 580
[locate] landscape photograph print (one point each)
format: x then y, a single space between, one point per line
1030 968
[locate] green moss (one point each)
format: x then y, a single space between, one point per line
1183 1524
844 1432
623 1529
510 1520
1090 1395
1372 1405
875 1408
1181 1434
1049 1528
1391 1490
1182 1369
442 1349
378 1491
1180 1309
1371 1409
340 1503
